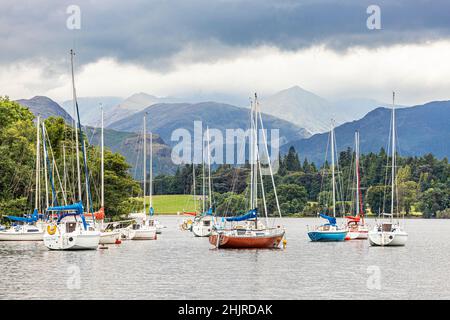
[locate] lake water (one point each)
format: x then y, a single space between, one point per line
180 266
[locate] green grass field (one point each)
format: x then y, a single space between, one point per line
171 204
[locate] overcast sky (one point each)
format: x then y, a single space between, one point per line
227 48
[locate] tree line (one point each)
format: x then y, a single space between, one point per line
17 165
303 188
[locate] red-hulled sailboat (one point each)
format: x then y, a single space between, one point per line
247 230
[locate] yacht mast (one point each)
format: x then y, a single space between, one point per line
145 161
393 157
36 201
332 169
151 172
74 100
251 155
255 150
209 169
203 177
193 186
103 162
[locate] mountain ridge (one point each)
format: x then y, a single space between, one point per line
418 129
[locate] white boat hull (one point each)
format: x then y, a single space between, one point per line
25 232
393 238
202 227
109 237
143 234
201 231
21 236
85 240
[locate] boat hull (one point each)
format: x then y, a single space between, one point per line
109 237
22 233
21 236
357 235
73 241
143 234
395 238
327 236
239 242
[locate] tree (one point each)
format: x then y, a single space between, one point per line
292 199
433 200
378 198
407 195
291 161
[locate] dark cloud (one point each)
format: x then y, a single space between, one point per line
152 32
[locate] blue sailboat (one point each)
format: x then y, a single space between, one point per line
328 231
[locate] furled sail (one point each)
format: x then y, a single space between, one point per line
252 214
331 220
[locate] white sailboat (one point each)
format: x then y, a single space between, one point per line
203 223
152 221
29 228
389 232
71 231
107 234
356 225
143 228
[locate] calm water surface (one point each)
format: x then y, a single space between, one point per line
180 266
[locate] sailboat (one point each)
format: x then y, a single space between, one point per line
143 228
389 232
203 223
107 235
152 221
329 231
356 225
252 233
71 231
30 228
186 225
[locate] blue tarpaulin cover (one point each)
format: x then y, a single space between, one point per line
74 209
252 214
331 220
34 217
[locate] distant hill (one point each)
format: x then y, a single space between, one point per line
135 103
164 118
126 143
129 144
420 129
45 107
90 108
312 112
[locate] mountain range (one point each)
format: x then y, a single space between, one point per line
165 118
89 107
420 129
312 112
45 107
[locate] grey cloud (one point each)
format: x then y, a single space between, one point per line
152 32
